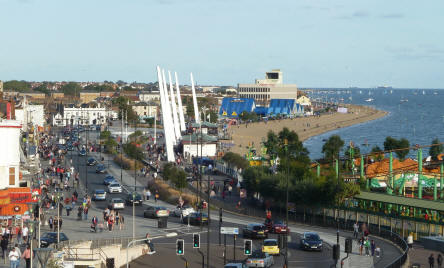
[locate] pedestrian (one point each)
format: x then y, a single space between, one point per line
410 240
27 256
14 258
122 222
156 196
439 260
4 246
373 247
144 194
361 245
94 222
148 194
25 233
85 212
79 213
431 261
367 247
355 230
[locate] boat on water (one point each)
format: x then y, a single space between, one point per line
404 100
384 87
423 92
369 100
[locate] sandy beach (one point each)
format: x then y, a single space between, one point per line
305 127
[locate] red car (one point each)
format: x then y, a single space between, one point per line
279 227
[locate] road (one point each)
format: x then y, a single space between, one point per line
165 253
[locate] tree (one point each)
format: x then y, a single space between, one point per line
356 152
403 143
235 160
43 88
390 144
133 151
124 108
110 145
71 89
377 153
14 85
105 135
332 147
436 149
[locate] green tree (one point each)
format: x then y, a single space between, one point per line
15 85
125 108
110 145
390 144
235 160
436 149
377 153
71 89
332 147
133 151
43 88
105 135
403 143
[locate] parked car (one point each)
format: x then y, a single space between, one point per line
184 211
260 259
51 238
311 241
196 218
156 212
109 179
117 203
99 195
235 265
255 230
137 200
91 161
271 246
100 168
82 152
114 187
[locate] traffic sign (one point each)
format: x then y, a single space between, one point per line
229 230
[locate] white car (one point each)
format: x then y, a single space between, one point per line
185 211
114 188
117 203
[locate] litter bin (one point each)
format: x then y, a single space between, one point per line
162 222
416 265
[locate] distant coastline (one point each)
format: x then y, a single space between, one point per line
305 127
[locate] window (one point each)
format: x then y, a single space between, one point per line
11 176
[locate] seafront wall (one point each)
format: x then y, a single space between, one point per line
305 127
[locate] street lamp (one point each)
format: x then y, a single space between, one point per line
134 216
31 232
58 217
40 207
286 202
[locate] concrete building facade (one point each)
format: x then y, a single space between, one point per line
272 87
10 156
148 96
146 109
83 116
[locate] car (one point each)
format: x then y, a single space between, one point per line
255 230
117 203
100 168
271 246
196 218
279 227
260 259
184 211
235 265
311 241
114 187
91 161
99 195
70 148
51 238
137 200
82 152
109 179
156 212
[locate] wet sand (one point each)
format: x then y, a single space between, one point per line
305 127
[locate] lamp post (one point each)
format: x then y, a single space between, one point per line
40 211
134 216
58 218
31 232
286 201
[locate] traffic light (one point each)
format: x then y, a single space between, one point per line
196 240
180 247
248 246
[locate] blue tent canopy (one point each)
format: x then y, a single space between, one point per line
233 107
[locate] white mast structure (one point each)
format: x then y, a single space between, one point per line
168 141
179 102
173 104
196 110
168 110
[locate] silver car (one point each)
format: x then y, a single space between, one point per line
260 259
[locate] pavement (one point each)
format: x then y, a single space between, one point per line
420 256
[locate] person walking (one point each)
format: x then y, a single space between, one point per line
431 261
361 245
355 230
439 261
156 196
373 247
14 258
85 212
367 247
410 241
4 246
27 256
122 222
148 194
25 233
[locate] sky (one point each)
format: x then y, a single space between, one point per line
315 43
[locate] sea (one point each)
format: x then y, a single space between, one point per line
414 114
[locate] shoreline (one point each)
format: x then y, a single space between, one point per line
305 127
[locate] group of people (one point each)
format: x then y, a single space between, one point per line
112 218
439 260
15 255
366 246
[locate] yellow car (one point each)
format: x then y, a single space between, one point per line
271 247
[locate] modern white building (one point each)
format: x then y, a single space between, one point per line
146 109
83 116
193 146
272 87
10 156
